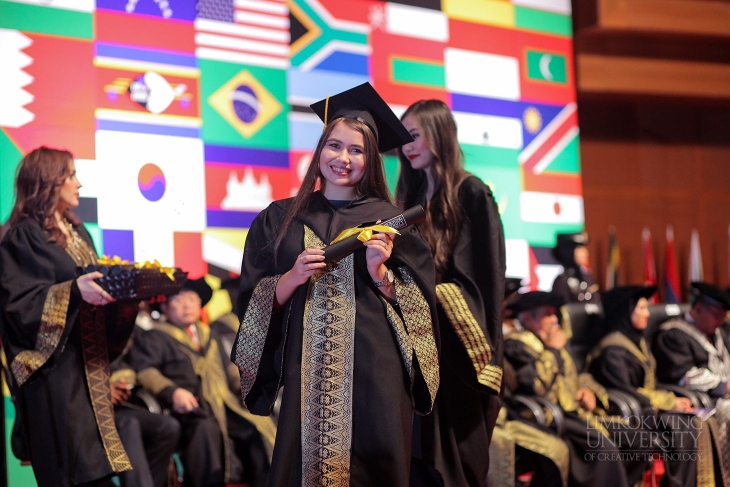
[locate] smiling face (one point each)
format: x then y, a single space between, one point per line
68 196
342 162
418 152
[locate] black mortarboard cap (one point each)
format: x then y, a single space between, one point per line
566 244
620 296
535 299
201 288
711 294
364 104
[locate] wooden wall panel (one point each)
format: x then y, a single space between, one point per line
663 167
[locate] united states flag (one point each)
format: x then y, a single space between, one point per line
252 32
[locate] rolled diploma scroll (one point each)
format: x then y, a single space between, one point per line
349 245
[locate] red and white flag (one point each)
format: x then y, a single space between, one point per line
254 32
695 272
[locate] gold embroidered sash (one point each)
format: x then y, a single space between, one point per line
328 355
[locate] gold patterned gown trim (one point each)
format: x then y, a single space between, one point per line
53 322
328 356
470 334
253 331
417 317
560 387
547 445
405 345
661 399
96 365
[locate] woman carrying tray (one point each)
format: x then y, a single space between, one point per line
354 341
464 230
59 330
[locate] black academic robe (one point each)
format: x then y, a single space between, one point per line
381 358
221 441
577 287
619 363
41 324
551 373
677 352
455 437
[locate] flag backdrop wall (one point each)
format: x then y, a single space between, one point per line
188 117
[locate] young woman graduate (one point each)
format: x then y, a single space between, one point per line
464 231
59 329
353 342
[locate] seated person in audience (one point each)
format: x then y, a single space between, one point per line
182 363
150 439
622 361
576 284
518 447
545 368
692 351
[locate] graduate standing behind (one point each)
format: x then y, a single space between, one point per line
464 230
353 343
59 329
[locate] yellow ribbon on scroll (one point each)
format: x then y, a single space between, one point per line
364 233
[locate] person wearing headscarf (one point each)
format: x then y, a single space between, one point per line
545 368
354 341
622 361
183 363
693 351
576 283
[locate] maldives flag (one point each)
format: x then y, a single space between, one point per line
649 264
671 276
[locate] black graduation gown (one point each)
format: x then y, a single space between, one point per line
455 437
677 352
551 374
269 348
577 287
223 442
41 332
618 363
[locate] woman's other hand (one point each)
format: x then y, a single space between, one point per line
378 251
308 263
91 292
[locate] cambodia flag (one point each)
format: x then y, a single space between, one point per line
671 276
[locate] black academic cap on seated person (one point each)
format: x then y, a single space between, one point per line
620 296
711 294
364 104
535 299
565 244
201 288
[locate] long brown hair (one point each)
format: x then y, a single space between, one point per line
372 183
443 215
41 174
